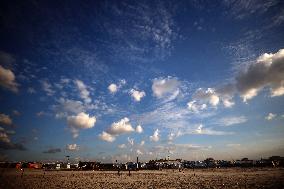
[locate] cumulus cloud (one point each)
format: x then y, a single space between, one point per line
162 87
156 136
4 137
107 137
84 93
137 95
8 80
266 71
72 147
208 96
6 142
112 88
142 143
195 107
5 119
52 151
66 107
228 121
270 116
80 121
139 129
121 127
204 98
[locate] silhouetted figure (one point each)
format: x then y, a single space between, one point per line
118 172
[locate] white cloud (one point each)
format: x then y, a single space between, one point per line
72 147
67 106
121 146
121 83
200 130
80 121
142 143
207 96
162 87
112 88
8 80
194 107
167 115
120 127
266 71
249 94
139 129
228 102
5 119
137 95
228 121
107 137
47 87
173 135
270 116
278 91
84 93
243 9
138 152
130 141
202 98
156 136
214 100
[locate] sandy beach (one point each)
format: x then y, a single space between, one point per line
201 178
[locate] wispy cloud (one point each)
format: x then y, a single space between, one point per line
52 151
228 121
47 87
244 9
84 93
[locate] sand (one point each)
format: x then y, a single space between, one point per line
202 178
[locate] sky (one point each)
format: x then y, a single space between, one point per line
113 80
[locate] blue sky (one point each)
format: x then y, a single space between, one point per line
111 80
